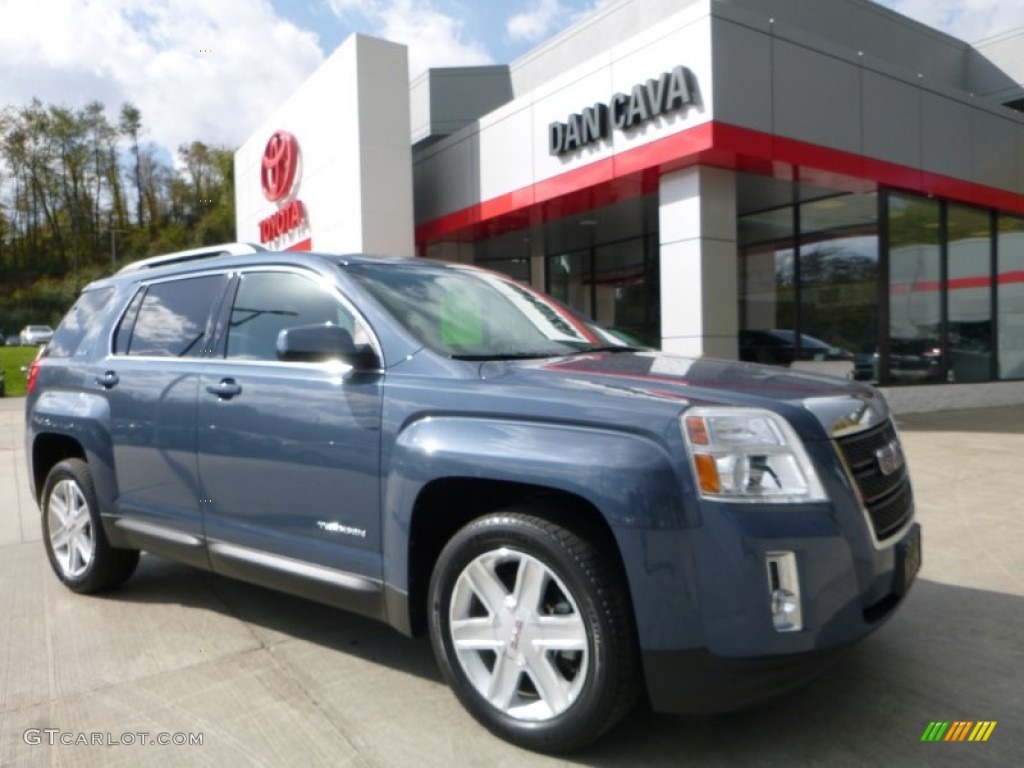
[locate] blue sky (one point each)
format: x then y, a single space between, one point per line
499 31
213 69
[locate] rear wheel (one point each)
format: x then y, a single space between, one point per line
73 534
532 628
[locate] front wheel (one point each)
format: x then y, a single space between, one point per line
73 533
532 628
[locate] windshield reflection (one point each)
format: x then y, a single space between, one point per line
469 313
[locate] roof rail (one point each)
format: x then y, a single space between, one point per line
206 252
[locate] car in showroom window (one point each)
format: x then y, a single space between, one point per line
576 523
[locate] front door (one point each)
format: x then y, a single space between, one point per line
289 452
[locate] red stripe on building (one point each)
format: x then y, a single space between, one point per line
635 172
302 245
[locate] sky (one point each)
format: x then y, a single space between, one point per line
212 70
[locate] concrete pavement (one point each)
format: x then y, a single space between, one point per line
272 680
18 513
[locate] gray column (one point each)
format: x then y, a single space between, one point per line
537 260
697 233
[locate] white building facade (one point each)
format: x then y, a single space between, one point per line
832 182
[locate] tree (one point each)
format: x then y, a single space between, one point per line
131 125
62 194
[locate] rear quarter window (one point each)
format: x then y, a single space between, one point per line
80 324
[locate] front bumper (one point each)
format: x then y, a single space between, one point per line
707 636
698 682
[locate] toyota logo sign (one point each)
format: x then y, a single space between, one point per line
280 162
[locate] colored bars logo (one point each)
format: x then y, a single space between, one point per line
958 730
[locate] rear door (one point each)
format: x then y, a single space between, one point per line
289 452
151 382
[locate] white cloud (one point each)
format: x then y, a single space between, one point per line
536 23
342 7
434 38
970 20
153 53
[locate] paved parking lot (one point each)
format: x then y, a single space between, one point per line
272 680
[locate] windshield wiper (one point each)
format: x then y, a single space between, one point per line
608 348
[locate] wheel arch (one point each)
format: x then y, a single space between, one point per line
433 524
49 449
447 470
64 424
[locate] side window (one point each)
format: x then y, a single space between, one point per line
173 318
82 320
268 302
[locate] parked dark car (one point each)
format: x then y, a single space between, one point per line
910 361
777 346
574 523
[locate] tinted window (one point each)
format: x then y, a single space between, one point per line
269 302
82 320
172 319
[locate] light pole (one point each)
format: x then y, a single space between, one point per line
113 245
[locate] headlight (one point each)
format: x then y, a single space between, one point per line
748 455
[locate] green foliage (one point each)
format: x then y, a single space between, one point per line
75 186
44 302
12 360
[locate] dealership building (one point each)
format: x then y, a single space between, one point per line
795 180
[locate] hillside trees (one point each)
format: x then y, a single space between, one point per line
76 184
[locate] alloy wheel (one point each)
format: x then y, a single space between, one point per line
70 528
518 635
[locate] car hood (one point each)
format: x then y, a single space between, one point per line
840 406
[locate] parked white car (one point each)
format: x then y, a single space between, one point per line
36 334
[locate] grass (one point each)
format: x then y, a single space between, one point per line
11 361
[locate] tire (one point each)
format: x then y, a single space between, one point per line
543 651
73 533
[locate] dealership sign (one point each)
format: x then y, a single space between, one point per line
279 171
660 96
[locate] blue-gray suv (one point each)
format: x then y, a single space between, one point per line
576 523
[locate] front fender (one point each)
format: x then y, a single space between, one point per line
631 479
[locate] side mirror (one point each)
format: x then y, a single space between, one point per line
317 343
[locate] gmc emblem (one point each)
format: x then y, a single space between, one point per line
890 457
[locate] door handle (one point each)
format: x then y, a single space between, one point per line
108 379
225 389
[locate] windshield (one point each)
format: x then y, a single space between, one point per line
473 314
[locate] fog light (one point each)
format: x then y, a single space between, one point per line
784 591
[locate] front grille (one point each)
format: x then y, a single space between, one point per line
888 498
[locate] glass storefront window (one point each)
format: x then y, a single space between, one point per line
969 293
915 291
1011 297
517 269
614 284
809 292
839 277
767 274
768 296
620 286
568 280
